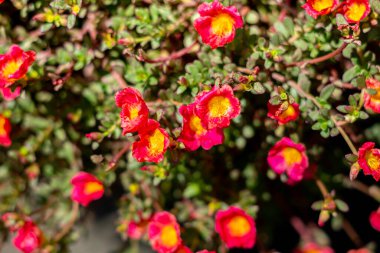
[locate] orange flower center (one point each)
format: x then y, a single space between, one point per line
219 106
2 127
372 161
156 143
196 125
355 11
289 112
320 5
169 237
291 156
222 25
133 112
376 97
92 187
11 67
238 226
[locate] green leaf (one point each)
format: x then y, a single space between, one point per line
351 73
351 158
71 21
327 91
375 4
340 20
341 205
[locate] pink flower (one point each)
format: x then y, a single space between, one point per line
356 10
217 24
369 160
134 111
14 65
86 188
28 238
317 8
5 130
236 228
372 102
313 247
217 107
194 133
290 158
164 233
276 112
136 230
8 94
152 144
374 219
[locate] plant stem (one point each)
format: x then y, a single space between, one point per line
322 188
67 227
319 59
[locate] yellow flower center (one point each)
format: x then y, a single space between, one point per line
291 156
11 67
156 143
2 127
238 226
222 25
133 113
320 5
92 187
355 11
288 112
376 97
372 161
169 237
219 106
196 125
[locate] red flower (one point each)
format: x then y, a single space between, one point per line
164 233
313 247
283 116
183 249
374 219
152 144
14 65
194 133
369 160
317 8
217 107
236 228
86 188
5 130
217 24
372 102
356 10
28 238
205 251
134 112
288 157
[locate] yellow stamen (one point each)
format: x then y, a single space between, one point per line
219 106
355 11
372 161
133 113
238 226
222 25
169 237
376 97
156 143
11 67
291 156
92 187
320 5
289 112
196 125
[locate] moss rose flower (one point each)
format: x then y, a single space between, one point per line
236 228
217 24
5 130
369 160
356 10
317 8
164 233
86 188
288 157
276 112
372 102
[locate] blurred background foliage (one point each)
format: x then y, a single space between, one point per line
87 50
